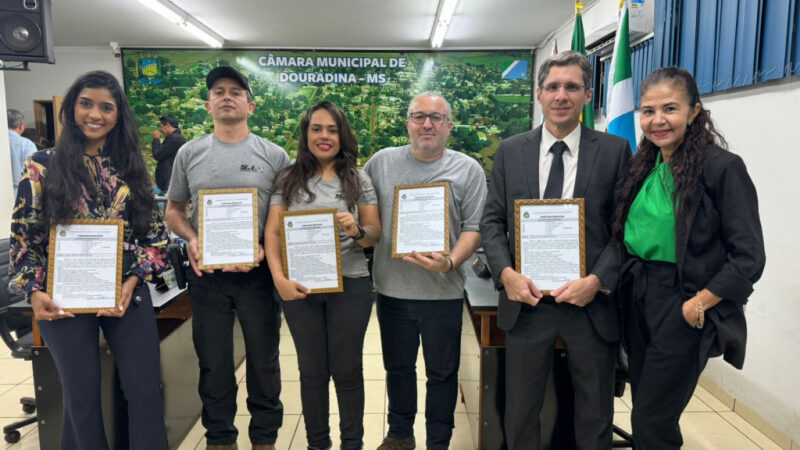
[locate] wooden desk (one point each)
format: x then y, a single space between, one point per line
482 374
180 376
162 304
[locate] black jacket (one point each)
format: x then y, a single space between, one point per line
602 164
722 249
164 153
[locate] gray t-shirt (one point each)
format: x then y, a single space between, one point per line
208 163
398 166
328 194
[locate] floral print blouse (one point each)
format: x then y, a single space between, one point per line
29 237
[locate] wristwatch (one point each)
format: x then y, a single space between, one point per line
361 233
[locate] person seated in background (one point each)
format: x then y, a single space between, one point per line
38 140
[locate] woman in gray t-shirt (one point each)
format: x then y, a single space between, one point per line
328 329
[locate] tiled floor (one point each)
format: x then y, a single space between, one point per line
706 424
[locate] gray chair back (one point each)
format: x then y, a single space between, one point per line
12 322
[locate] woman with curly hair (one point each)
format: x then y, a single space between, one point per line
96 171
688 221
328 329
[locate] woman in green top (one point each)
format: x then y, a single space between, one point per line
688 222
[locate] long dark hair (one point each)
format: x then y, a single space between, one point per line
66 174
293 181
687 161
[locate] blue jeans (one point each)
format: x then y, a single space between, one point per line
438 323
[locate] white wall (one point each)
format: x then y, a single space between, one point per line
757 123
19 90
46 80
599 18
7 187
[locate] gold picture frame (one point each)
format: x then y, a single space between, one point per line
579 202
337 240
395 213
51 260
201 203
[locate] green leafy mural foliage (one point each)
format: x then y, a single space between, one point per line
374 89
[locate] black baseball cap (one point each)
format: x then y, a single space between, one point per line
171 120
226 72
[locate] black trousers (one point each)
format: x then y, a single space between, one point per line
438 324
216 299
328 332
133 339
529 357
663 356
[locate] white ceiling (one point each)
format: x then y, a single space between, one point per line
361 24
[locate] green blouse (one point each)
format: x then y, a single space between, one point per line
650 225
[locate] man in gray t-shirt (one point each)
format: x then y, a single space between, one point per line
231 157
421 296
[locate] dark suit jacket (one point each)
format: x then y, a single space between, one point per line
723 251
164 153
602 164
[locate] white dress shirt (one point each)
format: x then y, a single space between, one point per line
572 140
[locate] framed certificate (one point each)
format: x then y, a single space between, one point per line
311 250
421 219
227 227
84 265
550 243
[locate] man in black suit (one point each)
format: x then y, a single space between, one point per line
561 159
164 152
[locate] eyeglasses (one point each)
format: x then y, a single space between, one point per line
570 87
419 118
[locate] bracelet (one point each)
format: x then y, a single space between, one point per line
452 265
701 317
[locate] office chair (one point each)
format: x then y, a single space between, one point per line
20 346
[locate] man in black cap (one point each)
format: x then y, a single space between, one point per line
231 157
164 151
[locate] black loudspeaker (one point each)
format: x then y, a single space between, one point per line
26 31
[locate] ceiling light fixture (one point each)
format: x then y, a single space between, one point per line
443 17
169 11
